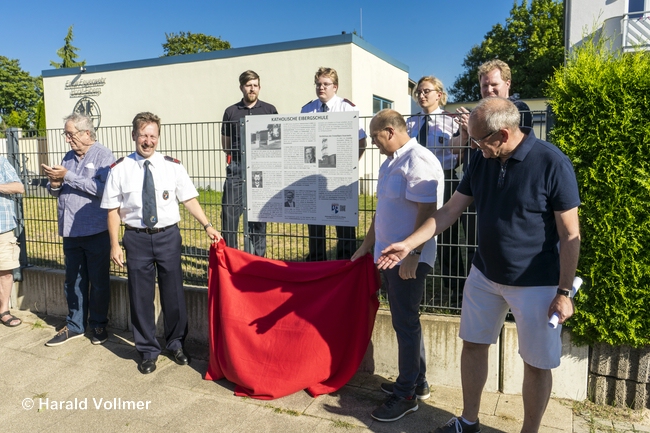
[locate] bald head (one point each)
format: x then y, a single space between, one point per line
388 118
388 131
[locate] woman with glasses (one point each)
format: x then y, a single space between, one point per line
433 128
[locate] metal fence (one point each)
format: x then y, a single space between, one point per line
198 146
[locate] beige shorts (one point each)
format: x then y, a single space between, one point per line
485 305
9 251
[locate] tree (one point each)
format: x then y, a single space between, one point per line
531 42
68 54
192 43
19 94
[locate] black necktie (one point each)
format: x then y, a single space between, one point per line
324 108
149 212
423 135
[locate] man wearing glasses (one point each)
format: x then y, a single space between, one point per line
527 200
78 183
326 81
143 190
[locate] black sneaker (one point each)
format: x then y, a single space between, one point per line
395 408
421 391
63 336
456 425
100 335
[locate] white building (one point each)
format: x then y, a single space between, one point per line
625 22
198 87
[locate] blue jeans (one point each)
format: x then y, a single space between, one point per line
87 280
232 209
404 297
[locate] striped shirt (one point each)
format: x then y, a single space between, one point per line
7 206
81 192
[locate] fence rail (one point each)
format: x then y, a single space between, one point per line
198 146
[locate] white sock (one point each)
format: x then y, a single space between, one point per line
468 422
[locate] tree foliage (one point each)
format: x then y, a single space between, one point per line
19 94
600 100
68 54
192 43
531 43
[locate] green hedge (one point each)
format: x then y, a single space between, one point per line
602 107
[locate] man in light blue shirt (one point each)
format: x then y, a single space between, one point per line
78 183
9 251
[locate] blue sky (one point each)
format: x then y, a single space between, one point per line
431 37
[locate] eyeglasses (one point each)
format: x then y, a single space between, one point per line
478 141
69 135
323 85
424 92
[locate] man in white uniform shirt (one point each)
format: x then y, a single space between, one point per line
143 191
326 81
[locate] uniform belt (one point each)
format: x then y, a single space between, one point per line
149 231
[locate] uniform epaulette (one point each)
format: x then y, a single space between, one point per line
308 103
117 162
349 102
170 159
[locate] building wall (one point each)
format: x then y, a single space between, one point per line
583 17
199 89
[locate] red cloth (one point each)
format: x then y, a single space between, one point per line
279 327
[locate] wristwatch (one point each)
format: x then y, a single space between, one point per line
205 227
564 292
415 252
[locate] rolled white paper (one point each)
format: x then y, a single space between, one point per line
553 321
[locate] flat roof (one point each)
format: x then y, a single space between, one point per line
346 38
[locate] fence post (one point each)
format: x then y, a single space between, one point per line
13 155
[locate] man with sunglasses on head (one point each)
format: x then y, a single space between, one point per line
326 81
527 200
78 184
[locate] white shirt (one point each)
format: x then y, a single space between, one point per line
441 129
411 176
335 104
124 189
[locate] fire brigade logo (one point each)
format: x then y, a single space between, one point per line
88 107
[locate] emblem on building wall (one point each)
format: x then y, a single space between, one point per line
88 106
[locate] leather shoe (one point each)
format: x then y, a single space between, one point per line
148 366
180 358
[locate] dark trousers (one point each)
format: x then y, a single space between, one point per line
404 297
346 243
449 253
146 255
231 212
87 280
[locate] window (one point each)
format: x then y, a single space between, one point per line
379 104
635 6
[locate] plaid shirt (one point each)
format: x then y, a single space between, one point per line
7 206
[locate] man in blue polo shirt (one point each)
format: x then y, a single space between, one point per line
527 200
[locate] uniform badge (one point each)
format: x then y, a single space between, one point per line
153 219
165 195
441 140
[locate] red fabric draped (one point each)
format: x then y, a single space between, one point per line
279 327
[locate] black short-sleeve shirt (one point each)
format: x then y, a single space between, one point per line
232 115
517 233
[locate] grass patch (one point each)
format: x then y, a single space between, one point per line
38 324
592 413
343 425
281 411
